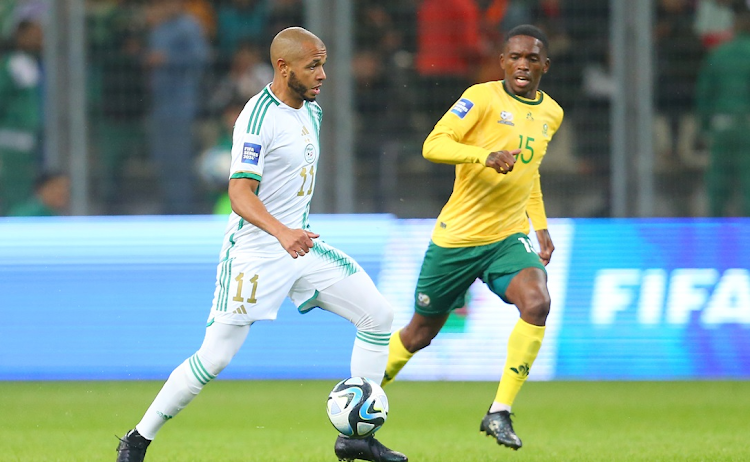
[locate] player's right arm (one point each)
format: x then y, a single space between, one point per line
444 145
245 203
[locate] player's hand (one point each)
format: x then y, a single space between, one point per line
502 161
546 247
297 242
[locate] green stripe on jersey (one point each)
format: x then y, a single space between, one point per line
334 256
231 237
259 111
316 116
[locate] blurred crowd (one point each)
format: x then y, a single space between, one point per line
167 78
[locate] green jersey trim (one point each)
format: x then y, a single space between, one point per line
251 176
316 115
308 304
231 237
334 256
524 100
224 280
259 111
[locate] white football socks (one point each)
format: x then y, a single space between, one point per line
221 343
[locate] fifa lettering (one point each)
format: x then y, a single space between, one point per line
705 294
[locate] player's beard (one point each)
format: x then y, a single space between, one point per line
296 86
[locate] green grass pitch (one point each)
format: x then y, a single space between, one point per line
285 421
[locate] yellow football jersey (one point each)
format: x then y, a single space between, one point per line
487 206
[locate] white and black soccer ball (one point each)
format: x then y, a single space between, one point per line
357 407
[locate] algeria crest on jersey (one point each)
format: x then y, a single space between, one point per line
310 153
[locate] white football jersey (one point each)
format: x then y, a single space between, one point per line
278 146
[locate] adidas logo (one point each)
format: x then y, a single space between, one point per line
240 310
305 131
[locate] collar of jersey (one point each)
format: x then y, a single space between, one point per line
283 104
531 102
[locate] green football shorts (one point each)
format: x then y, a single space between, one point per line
447 273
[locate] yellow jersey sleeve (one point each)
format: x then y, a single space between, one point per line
535 206
445 144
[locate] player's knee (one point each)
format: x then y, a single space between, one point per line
378 317
214 361
535 306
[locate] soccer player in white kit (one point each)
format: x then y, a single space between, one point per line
269 252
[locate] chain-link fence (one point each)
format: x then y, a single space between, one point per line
165 79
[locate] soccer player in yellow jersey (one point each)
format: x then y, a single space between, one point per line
496 135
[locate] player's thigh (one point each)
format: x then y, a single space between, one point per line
357 299
512 255
318 270
445 276
251 289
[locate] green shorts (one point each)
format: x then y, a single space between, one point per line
447 273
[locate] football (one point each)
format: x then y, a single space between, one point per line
357 407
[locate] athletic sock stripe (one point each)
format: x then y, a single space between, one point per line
199 371
374 335
203 368
372 340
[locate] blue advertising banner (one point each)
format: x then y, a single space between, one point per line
128 297
657 299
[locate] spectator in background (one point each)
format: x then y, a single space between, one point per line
498 17
713 22
238 21
587 23
119 125
214 163
12 12
449 49
723 104
383 96
51 197
679 53
176 56
283 14
20 115
548 16
203 12
249 72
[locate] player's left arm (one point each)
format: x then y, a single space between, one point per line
538 217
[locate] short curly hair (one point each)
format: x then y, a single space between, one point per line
531 31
